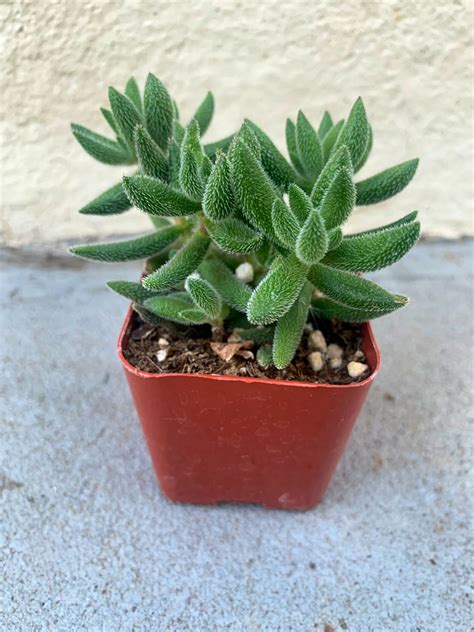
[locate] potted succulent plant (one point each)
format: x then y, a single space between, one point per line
247 348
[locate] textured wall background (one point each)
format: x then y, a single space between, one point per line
410 60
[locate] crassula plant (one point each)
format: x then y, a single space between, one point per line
243 237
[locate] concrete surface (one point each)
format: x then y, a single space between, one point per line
410 60
89 543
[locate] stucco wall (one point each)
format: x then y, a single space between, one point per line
410 60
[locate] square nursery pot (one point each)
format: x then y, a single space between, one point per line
251 440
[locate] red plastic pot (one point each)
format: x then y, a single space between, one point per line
221 438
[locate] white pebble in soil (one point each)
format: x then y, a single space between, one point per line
355 369
335 351
359 355
244 272
335 363
162 342
316 340
162 355
316 361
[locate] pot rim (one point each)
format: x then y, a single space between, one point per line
367 332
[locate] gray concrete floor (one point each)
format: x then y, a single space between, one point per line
88 542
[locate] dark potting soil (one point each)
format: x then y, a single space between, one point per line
190 351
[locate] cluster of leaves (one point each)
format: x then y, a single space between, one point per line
216 206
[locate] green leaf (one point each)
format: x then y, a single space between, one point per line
277 291
110 202
177 307
150 157
133 291
290 133
338 160
326 308
174 162
257 334
147 316
367 150
407 219
335 237
156 198
299 203
385 184
339 200
274 163
235 293
285 224
204 113
235 237
109 117
325 125
289 328
203 295
159 111
264 356
375 250
312 243
126 116
352 290
219 200
330 139
355 133
101 148
132 91
211 148
130 249
309 147
253 188
181 265
191 160
250 139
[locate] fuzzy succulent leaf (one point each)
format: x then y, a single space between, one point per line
264 356
338 203
204 113
277 291
309 147
375 250
190 178
250 139
312 243
285 223
367 150
340 159
407 219
181 265
386 184
335 237
110 202
133 291
147 316
256 334
203 295
159 111
150 157
177 307
290 134
325 126
211 149
299 203
330 140
289 328
109 117
174 163
235 237
253 188
126 116
355 133
235 293
101 148
132 91
128 250
352 290
219 201
156 198
273 161
327 308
